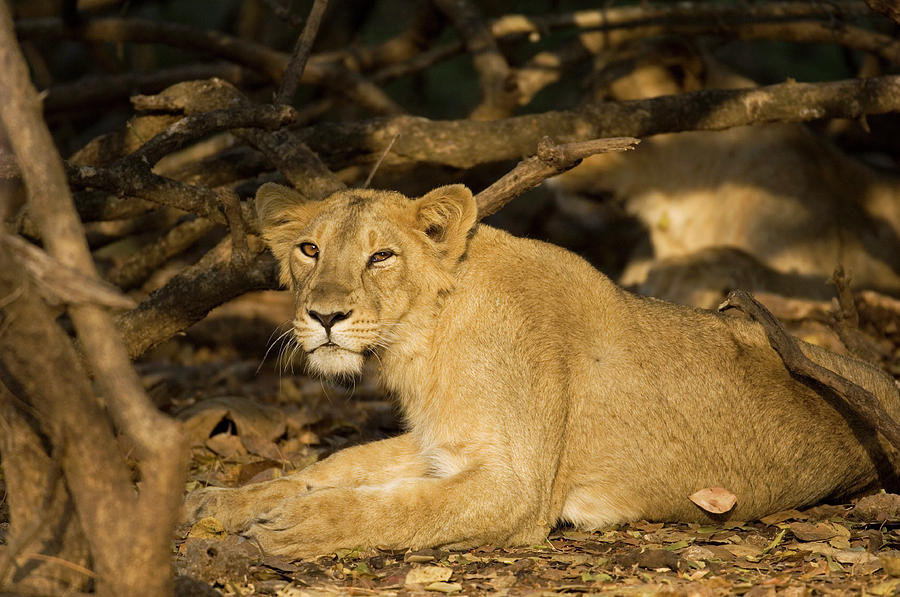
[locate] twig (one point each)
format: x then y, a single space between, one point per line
863 402
374 169
550 160
301 53
845 320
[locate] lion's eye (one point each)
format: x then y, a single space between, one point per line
309 249
380 256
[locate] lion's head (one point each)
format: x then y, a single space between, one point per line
361 263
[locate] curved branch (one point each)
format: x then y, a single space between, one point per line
863 402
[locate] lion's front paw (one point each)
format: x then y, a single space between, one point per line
228 506
300 527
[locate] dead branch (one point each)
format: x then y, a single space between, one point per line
201 124
143 263
642 15
142 183
284 149
499 94
302 49
60 284
423 140
128 561
549 160
193 293
863 402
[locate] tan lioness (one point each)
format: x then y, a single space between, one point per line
534 390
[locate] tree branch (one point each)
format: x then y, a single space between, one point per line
550 160
295 68
132 552
191 294
466 143
863 402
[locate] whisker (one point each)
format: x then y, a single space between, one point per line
272 344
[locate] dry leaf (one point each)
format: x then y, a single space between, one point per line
249 417
820 531
782 516
715 500
425 575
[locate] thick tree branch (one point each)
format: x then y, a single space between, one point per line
90 94
465 143
193 293
863 402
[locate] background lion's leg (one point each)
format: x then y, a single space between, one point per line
375 463
463 510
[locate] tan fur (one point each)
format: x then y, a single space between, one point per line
534 390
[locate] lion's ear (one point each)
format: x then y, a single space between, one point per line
446 215
274 204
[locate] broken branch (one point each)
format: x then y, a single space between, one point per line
549 160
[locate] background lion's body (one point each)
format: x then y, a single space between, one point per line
535 390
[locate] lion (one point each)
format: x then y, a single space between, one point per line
534 391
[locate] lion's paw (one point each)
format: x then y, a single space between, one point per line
228 506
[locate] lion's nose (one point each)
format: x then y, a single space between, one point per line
328 319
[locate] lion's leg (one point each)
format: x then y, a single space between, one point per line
375 463
474 507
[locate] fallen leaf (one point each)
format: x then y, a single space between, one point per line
226 445
782 516
744 550
249 417
697 553
818 531
715 500
423 575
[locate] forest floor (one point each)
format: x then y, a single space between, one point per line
250 423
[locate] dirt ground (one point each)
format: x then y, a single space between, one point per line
251 422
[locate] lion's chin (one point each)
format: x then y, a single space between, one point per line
334 362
